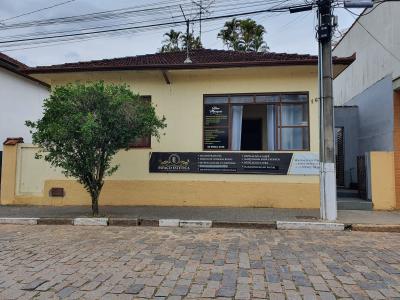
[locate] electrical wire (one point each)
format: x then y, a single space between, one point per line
376 39
276 9
37 10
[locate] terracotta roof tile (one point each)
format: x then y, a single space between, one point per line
11 61
12 141
205 58
17 67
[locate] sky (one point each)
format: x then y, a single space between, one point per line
290 33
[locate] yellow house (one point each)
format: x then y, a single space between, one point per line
242 131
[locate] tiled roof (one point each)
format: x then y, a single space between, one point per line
204 58
17 67
12 141
11 61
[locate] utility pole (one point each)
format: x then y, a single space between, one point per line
327 143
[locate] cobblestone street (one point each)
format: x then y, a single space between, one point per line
67 262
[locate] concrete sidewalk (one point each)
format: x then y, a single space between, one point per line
223 214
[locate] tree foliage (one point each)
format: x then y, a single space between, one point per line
85 125
243 35
177 41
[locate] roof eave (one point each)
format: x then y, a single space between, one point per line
64 69
22 73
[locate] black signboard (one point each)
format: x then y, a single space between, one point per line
216 130
216 115
216 138
220 163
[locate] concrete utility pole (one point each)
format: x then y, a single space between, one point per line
327 143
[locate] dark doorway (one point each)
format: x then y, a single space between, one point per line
251 134
340 156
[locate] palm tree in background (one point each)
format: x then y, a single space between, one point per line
243 35
177 41
171 42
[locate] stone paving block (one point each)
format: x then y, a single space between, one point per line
134 289
90 286
374 294
226 292
277 296
147 292
209 293
33 285
327 296
180 290
66 292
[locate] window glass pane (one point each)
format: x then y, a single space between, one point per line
215 100
267 98
242 99
271 128
294 138
294 115
294 98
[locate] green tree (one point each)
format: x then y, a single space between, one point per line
172 41
194 42
243 35
177 41
85 125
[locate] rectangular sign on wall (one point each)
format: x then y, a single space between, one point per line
221 163
234 163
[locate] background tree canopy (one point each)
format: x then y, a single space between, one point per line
238 35
177 41
243 35
85 125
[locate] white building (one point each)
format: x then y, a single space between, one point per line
366 94
21 99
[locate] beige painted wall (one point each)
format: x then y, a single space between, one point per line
182 104
383 186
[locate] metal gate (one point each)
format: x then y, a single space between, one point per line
340 156
362 177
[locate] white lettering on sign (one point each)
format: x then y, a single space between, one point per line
304 164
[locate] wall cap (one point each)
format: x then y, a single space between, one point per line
12 141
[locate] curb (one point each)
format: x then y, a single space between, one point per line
278 225
90 222
19 221
249 225
123 222
375 228
55 221
309 226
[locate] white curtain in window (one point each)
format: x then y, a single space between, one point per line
292 114
271 127
237 116
292 138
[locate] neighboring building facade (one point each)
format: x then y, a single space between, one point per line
242 130
367 93
21 99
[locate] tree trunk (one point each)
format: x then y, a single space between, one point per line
95 205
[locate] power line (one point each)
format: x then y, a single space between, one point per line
378 41
277 9
150 10
37 10
139 21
